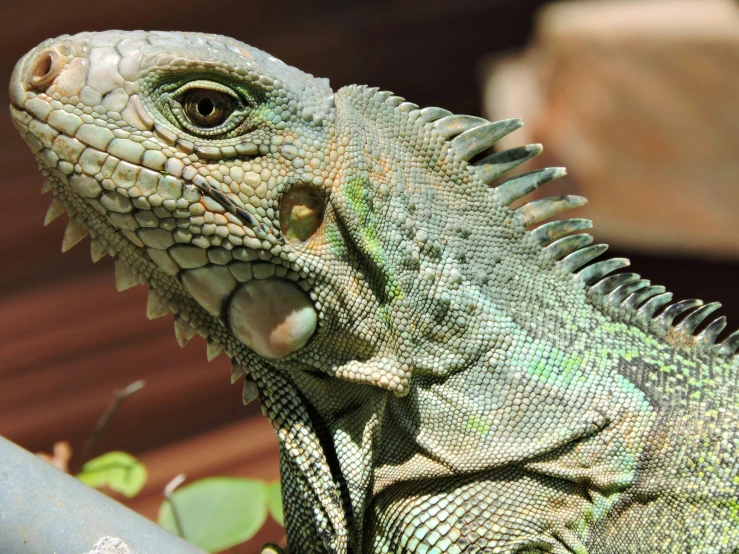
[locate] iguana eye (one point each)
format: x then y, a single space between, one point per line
207 108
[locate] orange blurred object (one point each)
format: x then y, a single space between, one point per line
640 100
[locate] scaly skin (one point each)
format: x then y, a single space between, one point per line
441 378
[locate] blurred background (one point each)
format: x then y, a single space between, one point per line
639 99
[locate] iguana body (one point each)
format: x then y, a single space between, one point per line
441 378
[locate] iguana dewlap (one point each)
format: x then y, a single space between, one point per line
442 378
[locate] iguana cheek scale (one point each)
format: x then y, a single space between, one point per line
273 317
445 373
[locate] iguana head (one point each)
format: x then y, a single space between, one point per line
203 165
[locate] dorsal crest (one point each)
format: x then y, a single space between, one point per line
627 295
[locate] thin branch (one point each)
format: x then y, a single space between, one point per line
168 490
119 397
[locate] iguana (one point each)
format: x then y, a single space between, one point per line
445 373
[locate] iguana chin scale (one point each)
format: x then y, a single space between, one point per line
442 377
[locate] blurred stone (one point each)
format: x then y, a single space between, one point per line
640 100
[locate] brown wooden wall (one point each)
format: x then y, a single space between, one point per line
67 338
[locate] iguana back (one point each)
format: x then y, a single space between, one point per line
442 377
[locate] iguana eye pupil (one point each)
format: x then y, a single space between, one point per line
207 108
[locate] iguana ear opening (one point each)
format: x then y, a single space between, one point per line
301 212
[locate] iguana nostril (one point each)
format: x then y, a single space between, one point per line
44 69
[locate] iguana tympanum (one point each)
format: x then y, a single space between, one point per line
442 378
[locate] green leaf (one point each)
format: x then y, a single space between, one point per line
217 512
274 502
116 470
